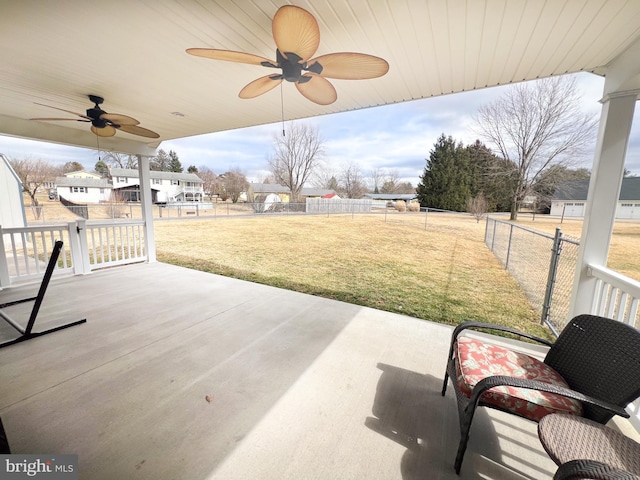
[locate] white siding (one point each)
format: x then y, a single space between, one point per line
85 194
11 203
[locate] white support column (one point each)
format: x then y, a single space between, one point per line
604 191
147 207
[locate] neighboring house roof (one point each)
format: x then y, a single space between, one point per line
132 173
82 174
630 189
331 195
268 188
316 192
575 190
390 196
82 182
578 190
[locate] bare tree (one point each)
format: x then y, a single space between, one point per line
391 182
211 182
72 167
405 187
120 160
376 179
352 183
295 157
234 183
534 126
34 173
478 206
324 177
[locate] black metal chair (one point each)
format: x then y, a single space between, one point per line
598 358
27 333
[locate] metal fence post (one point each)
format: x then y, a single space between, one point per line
506 263
493 237
551 278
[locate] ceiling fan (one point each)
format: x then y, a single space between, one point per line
104 124
297 36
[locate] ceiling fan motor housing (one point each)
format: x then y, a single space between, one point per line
94 115
290 65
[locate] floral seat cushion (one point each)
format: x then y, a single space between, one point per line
477 360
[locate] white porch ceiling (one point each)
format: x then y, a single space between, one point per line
132 53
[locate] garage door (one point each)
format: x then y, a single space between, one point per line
574 209
629 210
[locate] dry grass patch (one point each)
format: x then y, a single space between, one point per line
442 273
625 241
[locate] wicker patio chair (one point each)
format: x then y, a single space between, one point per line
587 450
591 370
591 470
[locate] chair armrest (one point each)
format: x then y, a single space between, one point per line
591 469
503 380
501 328
490 326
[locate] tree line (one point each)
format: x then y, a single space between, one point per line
472 178
538 132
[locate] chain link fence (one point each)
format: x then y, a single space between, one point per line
542 264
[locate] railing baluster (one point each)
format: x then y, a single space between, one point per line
15 255
29 247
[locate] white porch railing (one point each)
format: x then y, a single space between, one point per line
617 297
87 246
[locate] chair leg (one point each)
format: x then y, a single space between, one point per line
465 427
445 383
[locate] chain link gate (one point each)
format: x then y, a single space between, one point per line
542 264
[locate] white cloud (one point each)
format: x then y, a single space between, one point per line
394 137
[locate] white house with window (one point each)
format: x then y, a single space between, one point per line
84 189
569 199
165 186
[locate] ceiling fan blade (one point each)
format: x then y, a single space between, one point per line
350 66
228 55
107 131
136 130
119 119
62 119
82 115
260 86
295 30
319 90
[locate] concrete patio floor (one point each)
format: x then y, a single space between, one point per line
180 374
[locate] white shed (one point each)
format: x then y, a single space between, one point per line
11 201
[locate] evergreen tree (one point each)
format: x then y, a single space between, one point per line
332 184
174 162
160 162
446 180
102 168
192 169
490 175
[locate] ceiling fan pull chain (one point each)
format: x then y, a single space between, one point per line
282 107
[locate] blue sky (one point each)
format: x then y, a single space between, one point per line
393 137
